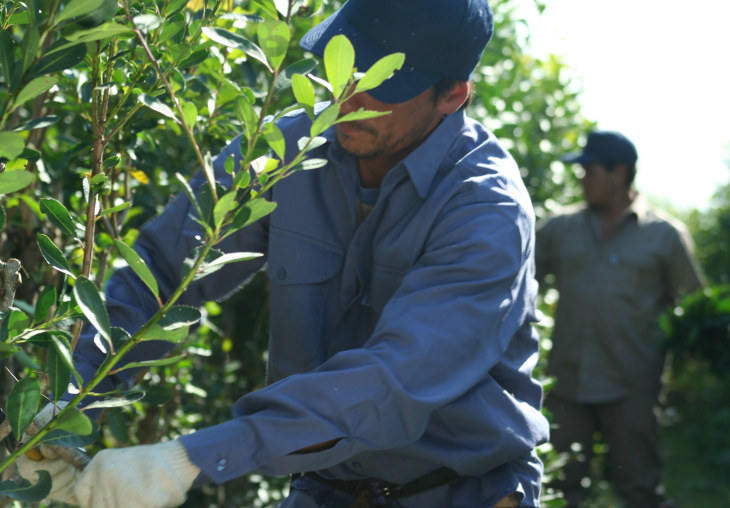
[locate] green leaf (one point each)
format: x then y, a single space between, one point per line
137 264
29 47
59 373
273 37
53 255
339 61
190 113
380 71
73 420
88 299
361 114
12 181
158 106
179 316
189 191
116 401
275 139
11 145
223 206
198 55
59 216
57 60
283 80
235 257
313 164
246 114
76 8
153 363
325 120
306 143
17 322
3 217
303 90
158 333
170 28
120 336
103 31
23 404
267 6
7 57
60 437
236 41
60 341
26 492
19 18
209 172
114 209
252 211
147 22
34 89
37 123
45 302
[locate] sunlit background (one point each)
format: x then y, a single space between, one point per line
659 71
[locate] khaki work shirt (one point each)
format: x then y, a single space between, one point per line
612 290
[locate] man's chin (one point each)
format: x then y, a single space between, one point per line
355 145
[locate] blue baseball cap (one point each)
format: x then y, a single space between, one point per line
605 146
440 38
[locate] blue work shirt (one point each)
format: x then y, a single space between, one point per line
407 337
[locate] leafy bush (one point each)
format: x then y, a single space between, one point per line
106 110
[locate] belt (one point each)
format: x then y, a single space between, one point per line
373 492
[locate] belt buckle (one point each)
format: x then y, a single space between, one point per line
372 493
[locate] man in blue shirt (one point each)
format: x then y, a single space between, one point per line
402 296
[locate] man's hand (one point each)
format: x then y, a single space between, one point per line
153 476
63 474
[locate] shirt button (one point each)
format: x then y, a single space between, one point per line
281 274
221 465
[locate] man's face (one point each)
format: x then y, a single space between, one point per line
389 137
599 184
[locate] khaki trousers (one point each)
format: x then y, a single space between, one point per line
628 427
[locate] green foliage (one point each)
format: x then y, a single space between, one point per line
87 91
532 107
106 110
711 232
699 329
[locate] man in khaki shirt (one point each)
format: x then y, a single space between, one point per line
617 264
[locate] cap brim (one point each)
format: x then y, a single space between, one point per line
580 158
405 84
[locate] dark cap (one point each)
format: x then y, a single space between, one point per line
605 146
440 38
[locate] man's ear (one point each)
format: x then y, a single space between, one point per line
454 97
621 174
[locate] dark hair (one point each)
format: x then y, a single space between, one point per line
630 170
443 86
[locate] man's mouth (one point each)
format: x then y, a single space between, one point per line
352 128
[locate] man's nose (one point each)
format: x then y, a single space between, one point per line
352 104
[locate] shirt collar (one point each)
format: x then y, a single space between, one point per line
640 208
423 162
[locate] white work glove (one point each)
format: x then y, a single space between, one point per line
148 476
63 474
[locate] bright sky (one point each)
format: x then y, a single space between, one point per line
658 71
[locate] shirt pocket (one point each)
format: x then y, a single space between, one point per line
633 276
303 274
298 259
